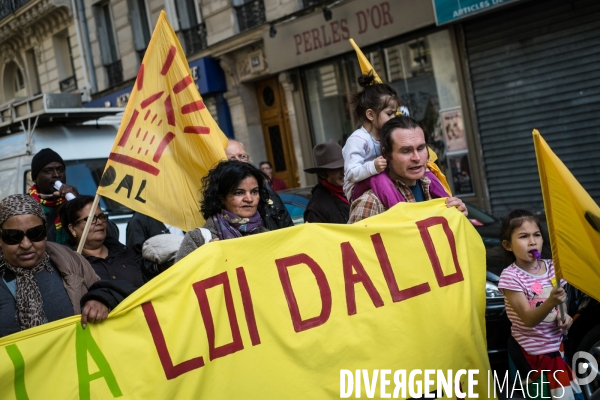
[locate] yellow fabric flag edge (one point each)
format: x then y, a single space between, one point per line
365 64
538 142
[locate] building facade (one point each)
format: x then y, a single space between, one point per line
39 50
276 74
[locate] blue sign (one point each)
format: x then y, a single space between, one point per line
206 72
208 75
451 10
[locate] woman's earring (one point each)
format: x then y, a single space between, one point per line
74 234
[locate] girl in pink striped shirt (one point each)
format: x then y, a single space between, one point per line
532 306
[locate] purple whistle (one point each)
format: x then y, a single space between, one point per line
535 253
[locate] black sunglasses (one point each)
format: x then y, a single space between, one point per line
102 217
15 236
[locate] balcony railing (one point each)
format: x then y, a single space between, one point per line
10 6
250 15
114 72
194 39
310 3
68 85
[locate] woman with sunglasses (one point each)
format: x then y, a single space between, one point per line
42 281
110 258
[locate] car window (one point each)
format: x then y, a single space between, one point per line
480 215
296 212
85 176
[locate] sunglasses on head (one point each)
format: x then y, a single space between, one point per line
15 236
102 217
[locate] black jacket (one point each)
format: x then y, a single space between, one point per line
139 229
323 206
109 293
275 215
119 264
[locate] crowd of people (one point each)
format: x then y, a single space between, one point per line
384 162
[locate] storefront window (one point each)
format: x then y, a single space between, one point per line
327 86
423 73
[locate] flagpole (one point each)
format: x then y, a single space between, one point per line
548 209
88 223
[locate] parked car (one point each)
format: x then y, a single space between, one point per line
584 334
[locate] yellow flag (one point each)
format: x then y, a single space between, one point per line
436 170
167 141
363 61
573 222
401 291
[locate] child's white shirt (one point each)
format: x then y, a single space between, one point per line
360 153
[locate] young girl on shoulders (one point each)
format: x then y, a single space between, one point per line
376 104
532 303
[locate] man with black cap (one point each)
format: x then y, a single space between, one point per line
328 203
47 167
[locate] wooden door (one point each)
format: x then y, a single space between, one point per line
276 130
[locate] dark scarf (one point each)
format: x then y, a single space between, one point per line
61 236
231 226
336 191
28 299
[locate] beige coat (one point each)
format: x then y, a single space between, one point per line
77 273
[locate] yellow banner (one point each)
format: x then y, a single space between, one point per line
573 221
281 315
167 141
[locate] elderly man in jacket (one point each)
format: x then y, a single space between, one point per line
407 178
328 203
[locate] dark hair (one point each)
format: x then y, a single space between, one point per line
224 179
512 221
374 96
400 122
265 162
69 214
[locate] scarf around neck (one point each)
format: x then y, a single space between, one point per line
28 299
383 187
61 236
231 226
335 191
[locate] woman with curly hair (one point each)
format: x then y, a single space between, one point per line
232 192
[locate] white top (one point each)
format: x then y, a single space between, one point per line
546 336
359 153
175 231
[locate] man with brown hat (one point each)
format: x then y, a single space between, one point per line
328 203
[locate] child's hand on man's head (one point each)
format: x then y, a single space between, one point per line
380 164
